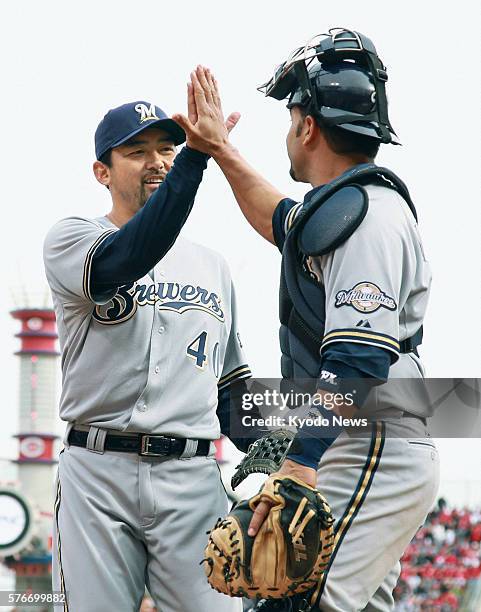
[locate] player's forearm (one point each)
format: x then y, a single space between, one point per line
130 253
256 197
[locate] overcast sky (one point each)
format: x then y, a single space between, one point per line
64 65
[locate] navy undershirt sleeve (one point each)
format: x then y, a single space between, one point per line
346 367
369 361
312 441
229 414
128 254
357 369
279 219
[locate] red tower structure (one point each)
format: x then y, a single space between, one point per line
29 554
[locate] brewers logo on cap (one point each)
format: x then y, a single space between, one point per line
146 112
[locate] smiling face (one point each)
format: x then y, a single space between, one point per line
137 168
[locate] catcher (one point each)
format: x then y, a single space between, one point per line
354 290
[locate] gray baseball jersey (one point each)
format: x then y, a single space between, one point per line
151 357
377 286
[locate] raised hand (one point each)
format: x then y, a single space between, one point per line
206 129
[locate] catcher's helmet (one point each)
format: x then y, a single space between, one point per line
340 80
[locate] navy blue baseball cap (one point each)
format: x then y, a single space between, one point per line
123 122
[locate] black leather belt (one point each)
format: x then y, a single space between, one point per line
146 445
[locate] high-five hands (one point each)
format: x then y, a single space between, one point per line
206 129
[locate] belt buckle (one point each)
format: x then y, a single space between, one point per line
145 445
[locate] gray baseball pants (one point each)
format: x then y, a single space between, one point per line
123 521
380 489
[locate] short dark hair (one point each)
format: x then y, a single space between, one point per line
106 158
344 142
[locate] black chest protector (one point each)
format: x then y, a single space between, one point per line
325 222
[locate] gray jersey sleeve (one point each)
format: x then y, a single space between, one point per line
68 250
234 366
368 278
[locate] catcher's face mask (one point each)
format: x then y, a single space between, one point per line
339 79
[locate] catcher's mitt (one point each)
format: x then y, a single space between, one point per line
289 553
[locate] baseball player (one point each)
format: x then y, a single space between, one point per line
150 348
354 290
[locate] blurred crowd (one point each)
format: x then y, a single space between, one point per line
440 561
